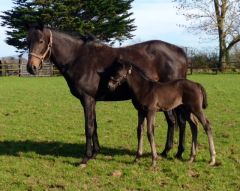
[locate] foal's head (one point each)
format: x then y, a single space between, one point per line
122 69
39 43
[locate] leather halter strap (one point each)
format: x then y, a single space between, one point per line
42 57
119 81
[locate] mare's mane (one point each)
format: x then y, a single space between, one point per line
75 36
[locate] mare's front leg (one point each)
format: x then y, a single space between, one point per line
140 128
150 134
89 104
96 146
181 121
171 120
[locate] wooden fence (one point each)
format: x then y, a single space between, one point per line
207 70
20 69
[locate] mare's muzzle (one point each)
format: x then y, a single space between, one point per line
34 65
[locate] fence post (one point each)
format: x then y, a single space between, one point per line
191 67
0 68
19 64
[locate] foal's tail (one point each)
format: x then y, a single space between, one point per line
204 93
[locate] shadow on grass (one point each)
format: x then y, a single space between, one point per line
14 148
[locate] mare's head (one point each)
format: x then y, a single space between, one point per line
39 43
121 70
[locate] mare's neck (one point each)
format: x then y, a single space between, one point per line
65 50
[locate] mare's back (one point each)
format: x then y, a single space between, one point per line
169 60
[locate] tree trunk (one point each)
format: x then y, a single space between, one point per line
220 11
223 55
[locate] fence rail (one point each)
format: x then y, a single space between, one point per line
51 70
213 70
20 70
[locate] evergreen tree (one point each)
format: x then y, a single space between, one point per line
108 20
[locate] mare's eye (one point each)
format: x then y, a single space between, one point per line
41 41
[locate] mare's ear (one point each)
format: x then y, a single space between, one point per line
36 25
120 57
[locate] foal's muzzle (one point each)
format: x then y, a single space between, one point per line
112 85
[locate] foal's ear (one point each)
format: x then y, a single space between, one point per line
129 68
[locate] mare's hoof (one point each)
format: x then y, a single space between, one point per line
164 154
94 156
85 160
179 156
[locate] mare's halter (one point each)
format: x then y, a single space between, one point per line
42 57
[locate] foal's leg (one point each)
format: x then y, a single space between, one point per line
171 120
140 128
194 131
206 125
150 121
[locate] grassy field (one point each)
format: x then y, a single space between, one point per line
42 141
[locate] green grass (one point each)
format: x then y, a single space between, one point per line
42 141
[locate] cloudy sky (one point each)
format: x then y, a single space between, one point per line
155 19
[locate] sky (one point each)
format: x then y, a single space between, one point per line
155 19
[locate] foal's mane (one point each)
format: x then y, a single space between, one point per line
138 70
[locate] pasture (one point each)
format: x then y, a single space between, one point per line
42 141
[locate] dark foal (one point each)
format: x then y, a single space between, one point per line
150 97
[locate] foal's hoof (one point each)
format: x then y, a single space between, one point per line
137 158
154 162
192 159
212 162
82 165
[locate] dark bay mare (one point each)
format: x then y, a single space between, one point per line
150 97
86 66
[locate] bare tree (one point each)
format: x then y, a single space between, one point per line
218 18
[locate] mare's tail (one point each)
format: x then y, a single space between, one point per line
204 93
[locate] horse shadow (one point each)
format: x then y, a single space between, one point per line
54 148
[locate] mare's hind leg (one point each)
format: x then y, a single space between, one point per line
181 121
206 125
150 123
140 128
170 117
